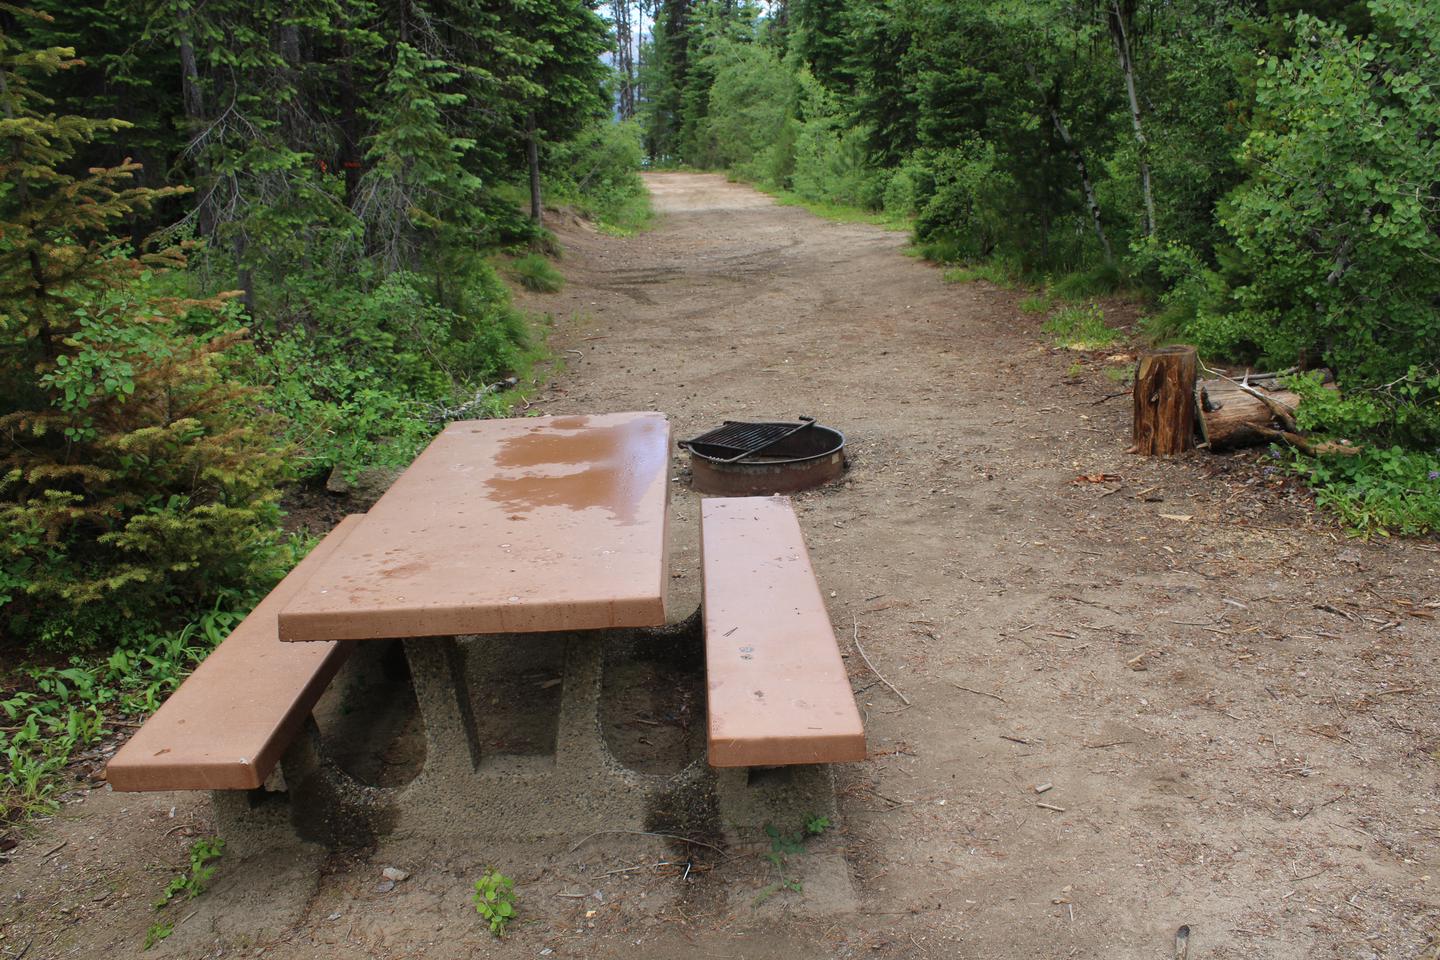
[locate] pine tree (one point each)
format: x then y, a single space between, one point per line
133 484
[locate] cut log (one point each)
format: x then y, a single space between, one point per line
1235 414
1231 416
1165 401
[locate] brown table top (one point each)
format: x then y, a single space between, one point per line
505 526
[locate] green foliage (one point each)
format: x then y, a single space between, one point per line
596 172
534 272
1081 328
203 853
158 932
50 712
785 845
494 900
1002 273
1099 281
1393 484
136 479
1336 251
1036 303
1378 492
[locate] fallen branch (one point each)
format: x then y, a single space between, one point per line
979 693
646 833
1305 446
893 689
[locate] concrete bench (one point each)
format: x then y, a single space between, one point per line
228 724
778 691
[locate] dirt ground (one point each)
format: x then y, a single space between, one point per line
1232 701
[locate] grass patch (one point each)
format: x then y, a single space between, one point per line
534 272
1123 376
627 217
1102 281
998 272
1081 328
838 212
1038 303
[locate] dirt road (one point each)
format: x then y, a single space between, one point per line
1234 705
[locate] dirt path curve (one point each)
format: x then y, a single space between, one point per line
1234 706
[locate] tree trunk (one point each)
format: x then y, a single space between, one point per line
1091 203
349 125
532 156
1127 66
194 98
1165 401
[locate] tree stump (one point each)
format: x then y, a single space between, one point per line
1165 401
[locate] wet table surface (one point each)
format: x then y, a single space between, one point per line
505 526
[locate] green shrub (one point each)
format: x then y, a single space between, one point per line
597 173
1378 492
534 272
1336 252
964 204
362 376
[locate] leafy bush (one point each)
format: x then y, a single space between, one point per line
597 173
1380 491
1338 250
534 272
361 375
961 204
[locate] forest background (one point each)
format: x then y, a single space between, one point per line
1261 172
244 247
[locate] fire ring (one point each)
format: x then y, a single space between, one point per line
743 459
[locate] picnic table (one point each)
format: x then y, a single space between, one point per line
505 536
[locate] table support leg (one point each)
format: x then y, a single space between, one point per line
442 694
580 788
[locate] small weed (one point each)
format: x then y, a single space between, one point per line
1122 375
782 847
494 900
534 272
1081 328
192 884
1076 371
157 932
1039 303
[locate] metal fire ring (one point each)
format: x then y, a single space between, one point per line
744 459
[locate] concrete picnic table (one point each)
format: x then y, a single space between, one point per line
503 532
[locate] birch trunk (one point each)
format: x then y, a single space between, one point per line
1091 203
532 156
1127 66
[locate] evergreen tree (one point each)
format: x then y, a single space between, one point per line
133 478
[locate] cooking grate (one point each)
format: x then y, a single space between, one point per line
738 439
